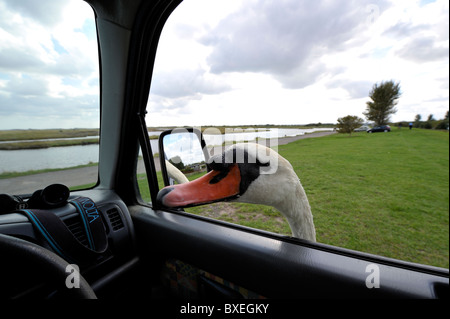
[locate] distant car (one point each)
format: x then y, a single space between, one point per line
379 128
363 128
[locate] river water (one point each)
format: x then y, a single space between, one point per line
70 156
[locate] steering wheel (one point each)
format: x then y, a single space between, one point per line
43 263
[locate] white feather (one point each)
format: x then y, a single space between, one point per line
281 188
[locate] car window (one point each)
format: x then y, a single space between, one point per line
285 71
49 96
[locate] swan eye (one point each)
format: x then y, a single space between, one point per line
219 177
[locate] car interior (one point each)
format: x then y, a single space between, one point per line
128 247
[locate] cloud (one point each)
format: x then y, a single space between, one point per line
46 12
26 86
315 59
13 59
42 37
259 61
187 83
286 41
179 105
355 89
31 96
403 29
422 39
423 42
423 50
173 91
48 64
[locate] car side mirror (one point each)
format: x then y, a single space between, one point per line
182 151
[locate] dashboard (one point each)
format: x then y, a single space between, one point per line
116 260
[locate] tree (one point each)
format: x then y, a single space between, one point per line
443 124
417 120
429 123
384 98
347 124
177 162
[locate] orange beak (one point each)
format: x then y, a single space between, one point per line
206 189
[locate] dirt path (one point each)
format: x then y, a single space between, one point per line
86 175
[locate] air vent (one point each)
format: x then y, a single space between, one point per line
115 219
75 226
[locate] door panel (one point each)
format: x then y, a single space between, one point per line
277 267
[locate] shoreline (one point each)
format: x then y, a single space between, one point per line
72 177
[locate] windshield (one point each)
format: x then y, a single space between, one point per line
49 96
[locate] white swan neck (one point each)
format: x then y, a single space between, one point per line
297 211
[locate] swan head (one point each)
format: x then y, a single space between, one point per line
248 173
244 172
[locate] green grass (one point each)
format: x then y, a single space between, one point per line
385 194
15 138
46 144
382 193
17 135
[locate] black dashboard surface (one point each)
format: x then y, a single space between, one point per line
118 227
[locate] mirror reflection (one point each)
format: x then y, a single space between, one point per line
183 155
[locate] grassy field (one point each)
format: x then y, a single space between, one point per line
386 194
383 193
46 144
17 135
14 138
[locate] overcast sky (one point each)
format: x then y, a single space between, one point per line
232 62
